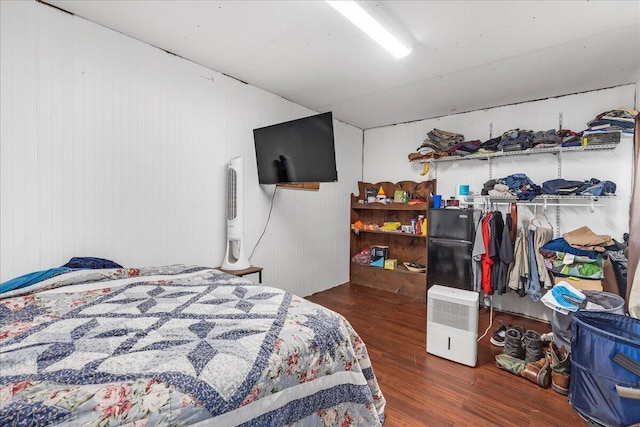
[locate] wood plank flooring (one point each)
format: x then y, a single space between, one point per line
425 390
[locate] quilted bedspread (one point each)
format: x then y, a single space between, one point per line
178 345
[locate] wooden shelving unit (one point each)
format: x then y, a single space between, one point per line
405 247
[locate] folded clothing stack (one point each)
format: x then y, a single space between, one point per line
584 239
592 187
441 141
546 139
607 127
619 119
516 140
517 184
577 254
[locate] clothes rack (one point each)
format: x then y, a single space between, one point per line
545 202
491 202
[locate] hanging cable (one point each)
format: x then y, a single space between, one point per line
266 224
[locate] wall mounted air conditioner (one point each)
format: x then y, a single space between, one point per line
452 324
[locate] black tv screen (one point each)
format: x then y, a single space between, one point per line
297 151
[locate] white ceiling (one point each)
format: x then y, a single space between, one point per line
467 55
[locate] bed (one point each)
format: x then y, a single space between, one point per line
178 345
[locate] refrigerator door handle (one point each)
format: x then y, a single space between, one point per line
439 239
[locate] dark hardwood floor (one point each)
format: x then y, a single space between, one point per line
425 390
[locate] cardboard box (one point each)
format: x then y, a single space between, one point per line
400 196
390 264
580 284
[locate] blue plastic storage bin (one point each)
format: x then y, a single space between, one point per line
605 367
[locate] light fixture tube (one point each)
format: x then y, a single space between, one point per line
374 29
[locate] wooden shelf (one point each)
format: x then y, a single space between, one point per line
404 247
392 233
400 280
400 269
303 186
391 206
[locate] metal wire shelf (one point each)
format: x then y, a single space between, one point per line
486 156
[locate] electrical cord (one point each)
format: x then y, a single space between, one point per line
490 318
266 224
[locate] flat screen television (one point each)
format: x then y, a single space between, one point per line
298 151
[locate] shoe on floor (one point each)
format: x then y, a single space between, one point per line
533 346
498 335
548 337
513 345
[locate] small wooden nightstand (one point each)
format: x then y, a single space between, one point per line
244 272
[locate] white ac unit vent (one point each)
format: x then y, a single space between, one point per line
232 194
452 324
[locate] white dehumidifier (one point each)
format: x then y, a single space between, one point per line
452 324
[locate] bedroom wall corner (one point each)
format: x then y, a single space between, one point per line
110 147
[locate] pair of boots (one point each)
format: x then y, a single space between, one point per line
523 356
523 345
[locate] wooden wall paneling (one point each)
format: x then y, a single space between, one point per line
114 148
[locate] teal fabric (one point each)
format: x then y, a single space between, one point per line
31 279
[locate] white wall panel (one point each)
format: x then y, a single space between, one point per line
386 150
116 149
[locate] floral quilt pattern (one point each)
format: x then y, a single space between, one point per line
179 345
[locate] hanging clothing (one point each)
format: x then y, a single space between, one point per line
505 255
487 262
533 282
513 230
519 271
476 258
496 225
542 236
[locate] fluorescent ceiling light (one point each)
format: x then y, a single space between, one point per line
374 29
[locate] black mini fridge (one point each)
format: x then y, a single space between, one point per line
451 233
